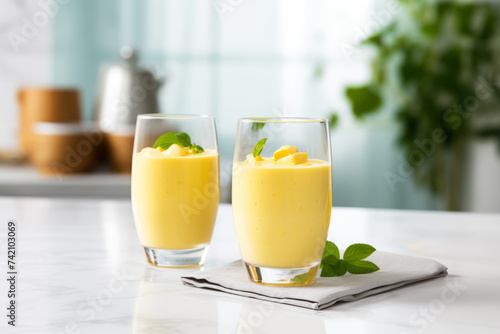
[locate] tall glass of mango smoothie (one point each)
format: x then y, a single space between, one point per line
175 187
282 197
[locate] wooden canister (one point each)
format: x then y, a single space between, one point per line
120 144
39 104
65 148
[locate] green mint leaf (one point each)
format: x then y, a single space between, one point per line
329 260
165 140
179 138
257 126
331 249
332 265
357 252
339 269
183 139
259 147
362 267
197 148
327 271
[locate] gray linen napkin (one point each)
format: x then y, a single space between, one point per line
395 271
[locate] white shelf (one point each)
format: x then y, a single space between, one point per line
26 181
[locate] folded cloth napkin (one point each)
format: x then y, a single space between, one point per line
395 271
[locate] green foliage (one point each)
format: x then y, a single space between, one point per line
364 99
428 60
319 71
333 120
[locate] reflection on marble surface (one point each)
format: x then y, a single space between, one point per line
154 314
264 317
196 312
82 270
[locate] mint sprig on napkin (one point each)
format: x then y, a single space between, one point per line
332 265
179 138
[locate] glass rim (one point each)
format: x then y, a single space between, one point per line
174 116
283 119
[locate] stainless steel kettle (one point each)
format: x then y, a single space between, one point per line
125 91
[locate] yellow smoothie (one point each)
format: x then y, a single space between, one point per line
175 197
281 209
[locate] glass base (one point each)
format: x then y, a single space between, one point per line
176 257
282 276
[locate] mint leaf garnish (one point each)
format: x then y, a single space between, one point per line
183 139
332 265
257 126
197 149
362 267
330 260
180 138
338 269
259 147
356 252
328 271
330 249
166 140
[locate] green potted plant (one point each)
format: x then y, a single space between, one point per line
437 66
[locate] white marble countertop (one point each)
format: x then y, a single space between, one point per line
82 270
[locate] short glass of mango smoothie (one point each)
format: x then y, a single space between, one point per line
175 187
282 197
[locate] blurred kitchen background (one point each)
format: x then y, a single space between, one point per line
411 89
